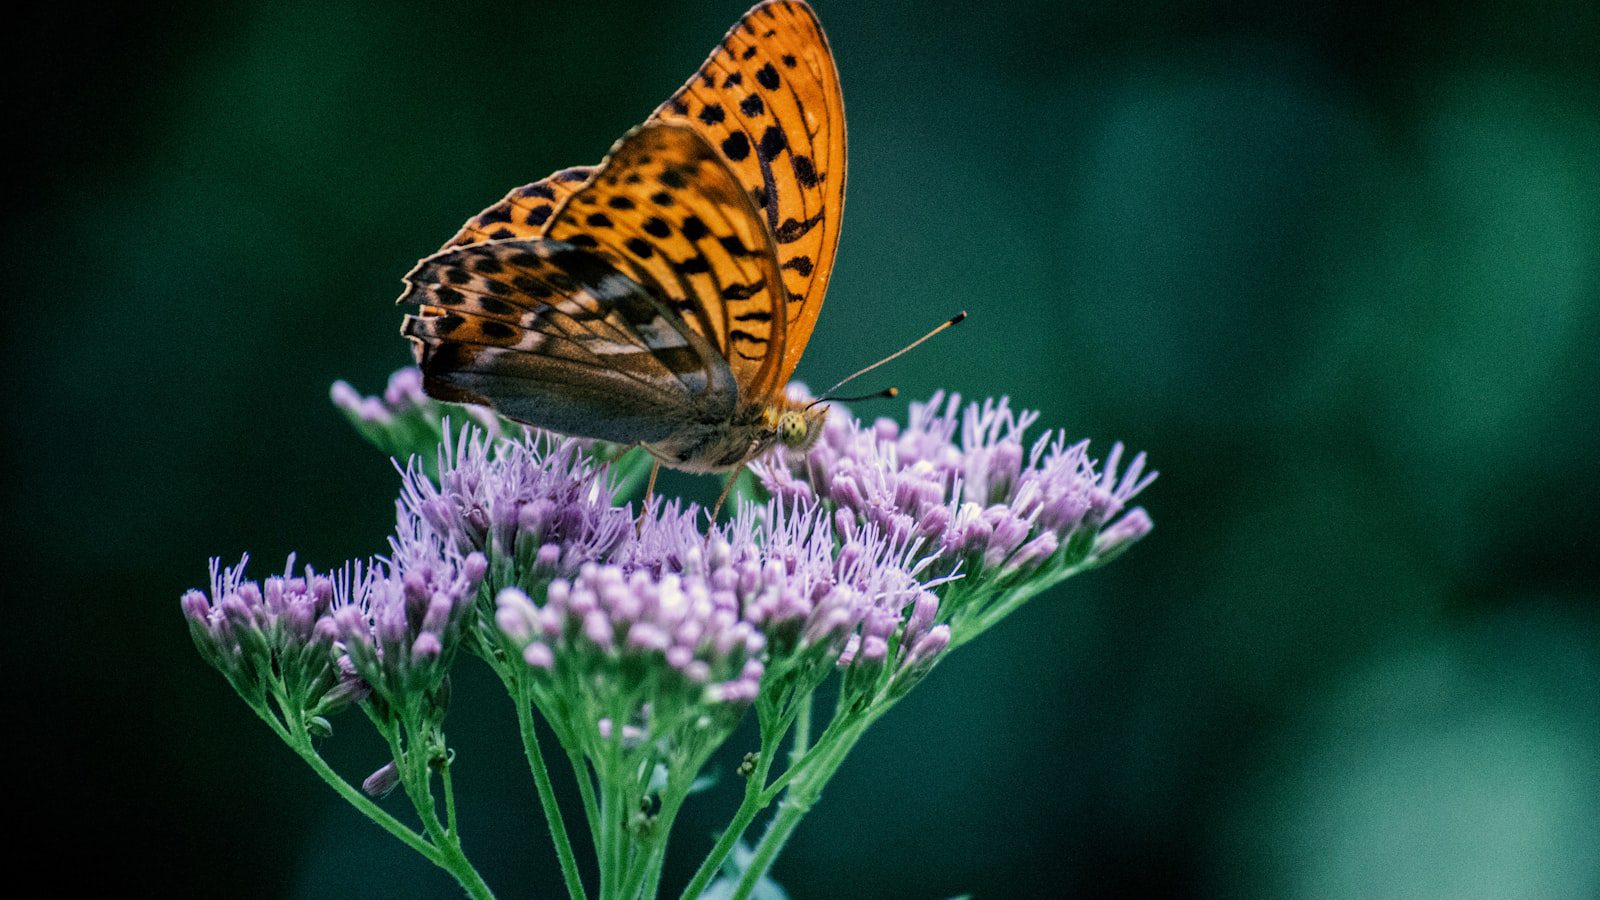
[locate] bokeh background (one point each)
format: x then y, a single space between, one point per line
1336 268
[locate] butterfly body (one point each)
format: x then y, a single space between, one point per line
664 297
717 446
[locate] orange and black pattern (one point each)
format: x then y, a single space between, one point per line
768 98
665 210
525 211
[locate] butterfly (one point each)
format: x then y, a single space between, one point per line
664 297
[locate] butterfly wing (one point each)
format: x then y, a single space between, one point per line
525 211
768 98
665 210
553 336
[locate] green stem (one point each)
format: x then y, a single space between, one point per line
591 807
983 621
754 802
808 780
364 805
547 794
450 804
614 813
802 732
450 860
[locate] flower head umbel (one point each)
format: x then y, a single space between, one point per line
271 639
993 508
401 621
535 506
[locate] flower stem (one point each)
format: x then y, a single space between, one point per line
547 794
758 795
752 805
448 858
591 807
806 780
802 731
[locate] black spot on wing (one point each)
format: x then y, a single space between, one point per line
500 331
495 214
738 291
805 171
773 140
694 265
801 264
694 229
793 230
752 106
768 77
712 114
736 146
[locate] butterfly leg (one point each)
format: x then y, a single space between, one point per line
649 494
726 490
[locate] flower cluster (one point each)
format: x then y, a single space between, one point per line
964 480
268 637
318 642
642 641
401 625
536 505
677 620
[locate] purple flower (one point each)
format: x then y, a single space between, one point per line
382 782
963 480
536 501
673 636
401 620
268 634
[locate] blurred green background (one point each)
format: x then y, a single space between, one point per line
1336 268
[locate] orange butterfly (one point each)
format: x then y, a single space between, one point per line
665 297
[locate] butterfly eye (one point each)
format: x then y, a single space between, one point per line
792 429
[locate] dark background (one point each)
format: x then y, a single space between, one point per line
1337 269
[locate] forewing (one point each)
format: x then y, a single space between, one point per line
525 211
554 336
768 98
665 209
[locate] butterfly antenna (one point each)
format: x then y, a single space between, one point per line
828 395
885 394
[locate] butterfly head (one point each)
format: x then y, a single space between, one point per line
797 428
